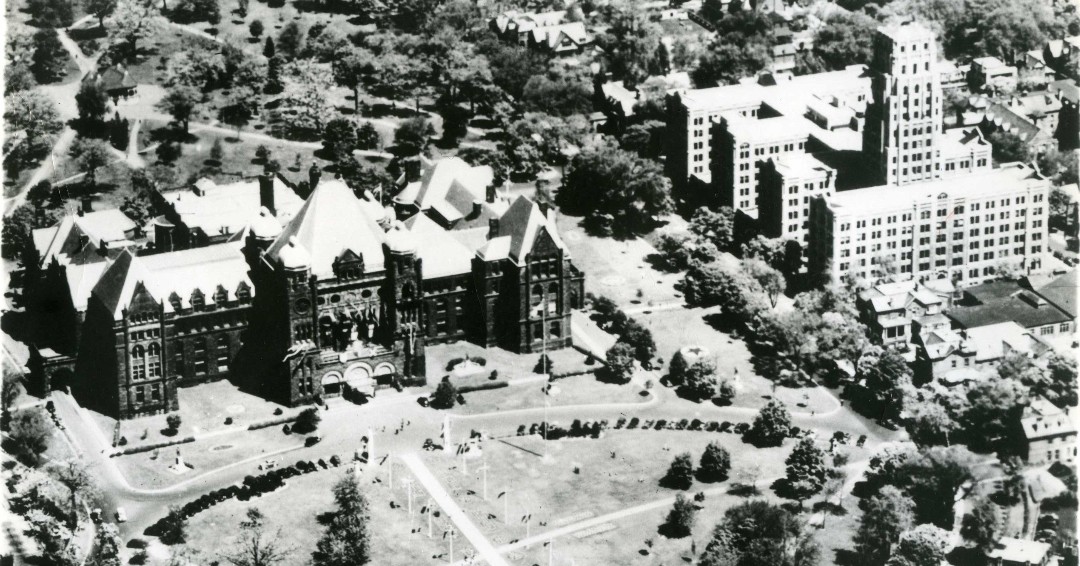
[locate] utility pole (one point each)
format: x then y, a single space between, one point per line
429 513
408 487
483 470
551 552
390 471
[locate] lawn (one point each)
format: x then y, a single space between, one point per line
507 363
295 510
583 478
617 269
577 390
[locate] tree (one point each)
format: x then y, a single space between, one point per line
269 50
497 160
888 514
53 539
924 545
995 403
257 545
73 475
307 421
845 39
290 41
715 463
236 115
445 395
339 138
173 527
700 381
717 227
353 71
10 389
980 526
35 116
758 533
346 541
620 362
304 99
368 137
725 63
641 338
133 21
17 77
680 520
256 29
92 155
680 474
608 182
771 425
631 45
771 281
92 102
49 58
30 434
1009 147
107 544
413 136
642 138
806 470
1055 382
51 13
180 103
561 91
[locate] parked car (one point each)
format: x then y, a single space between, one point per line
121 515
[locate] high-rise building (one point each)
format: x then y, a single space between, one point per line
903 116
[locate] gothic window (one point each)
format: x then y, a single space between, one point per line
198 300
555 330
537 294
153 362
553 297
199 351
138 362
221 296
223 352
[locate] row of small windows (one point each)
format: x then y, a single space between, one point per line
146 362
220 298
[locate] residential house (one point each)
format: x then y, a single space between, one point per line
1049 432
1010 551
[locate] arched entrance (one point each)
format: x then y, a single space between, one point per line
384 373
359 378
331 384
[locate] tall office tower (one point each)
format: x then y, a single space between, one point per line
903 119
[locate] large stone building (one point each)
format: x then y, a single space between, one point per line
296 306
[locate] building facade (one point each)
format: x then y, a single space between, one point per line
788 183
960 229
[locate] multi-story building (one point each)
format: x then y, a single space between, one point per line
451 192
787 184
991 73
903 119
894 312
837 96
1050 433
960 228
558 32
740 145
958 356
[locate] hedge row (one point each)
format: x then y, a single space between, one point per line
149 447
252 486
564 375
483 386
580 429
271 422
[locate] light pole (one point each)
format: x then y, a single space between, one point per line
451 533
390 471
483 470
408 487
551 551
429 513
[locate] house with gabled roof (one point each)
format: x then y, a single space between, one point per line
1049 432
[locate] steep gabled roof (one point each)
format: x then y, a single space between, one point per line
1061 292
181 273
76 239
523 223
331 221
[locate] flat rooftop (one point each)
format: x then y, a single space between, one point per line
886 198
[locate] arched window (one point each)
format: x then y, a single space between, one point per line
153 361
138 362
537 294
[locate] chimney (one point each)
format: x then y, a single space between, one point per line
491 191
477 208
266 193
87 205
493 228
412 170
313 175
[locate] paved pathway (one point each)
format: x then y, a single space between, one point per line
63 143
464 525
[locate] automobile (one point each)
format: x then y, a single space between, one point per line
311 441
268 465
95 515
121 515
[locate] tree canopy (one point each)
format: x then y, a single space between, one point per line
617 189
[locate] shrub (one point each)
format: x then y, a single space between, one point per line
228 420
445 395
633 423
173 421
483 386
307 421
285 429
278 411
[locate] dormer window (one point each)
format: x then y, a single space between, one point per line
243 293
221 296
198 300
176 302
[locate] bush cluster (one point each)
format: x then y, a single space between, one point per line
252 486
149 447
